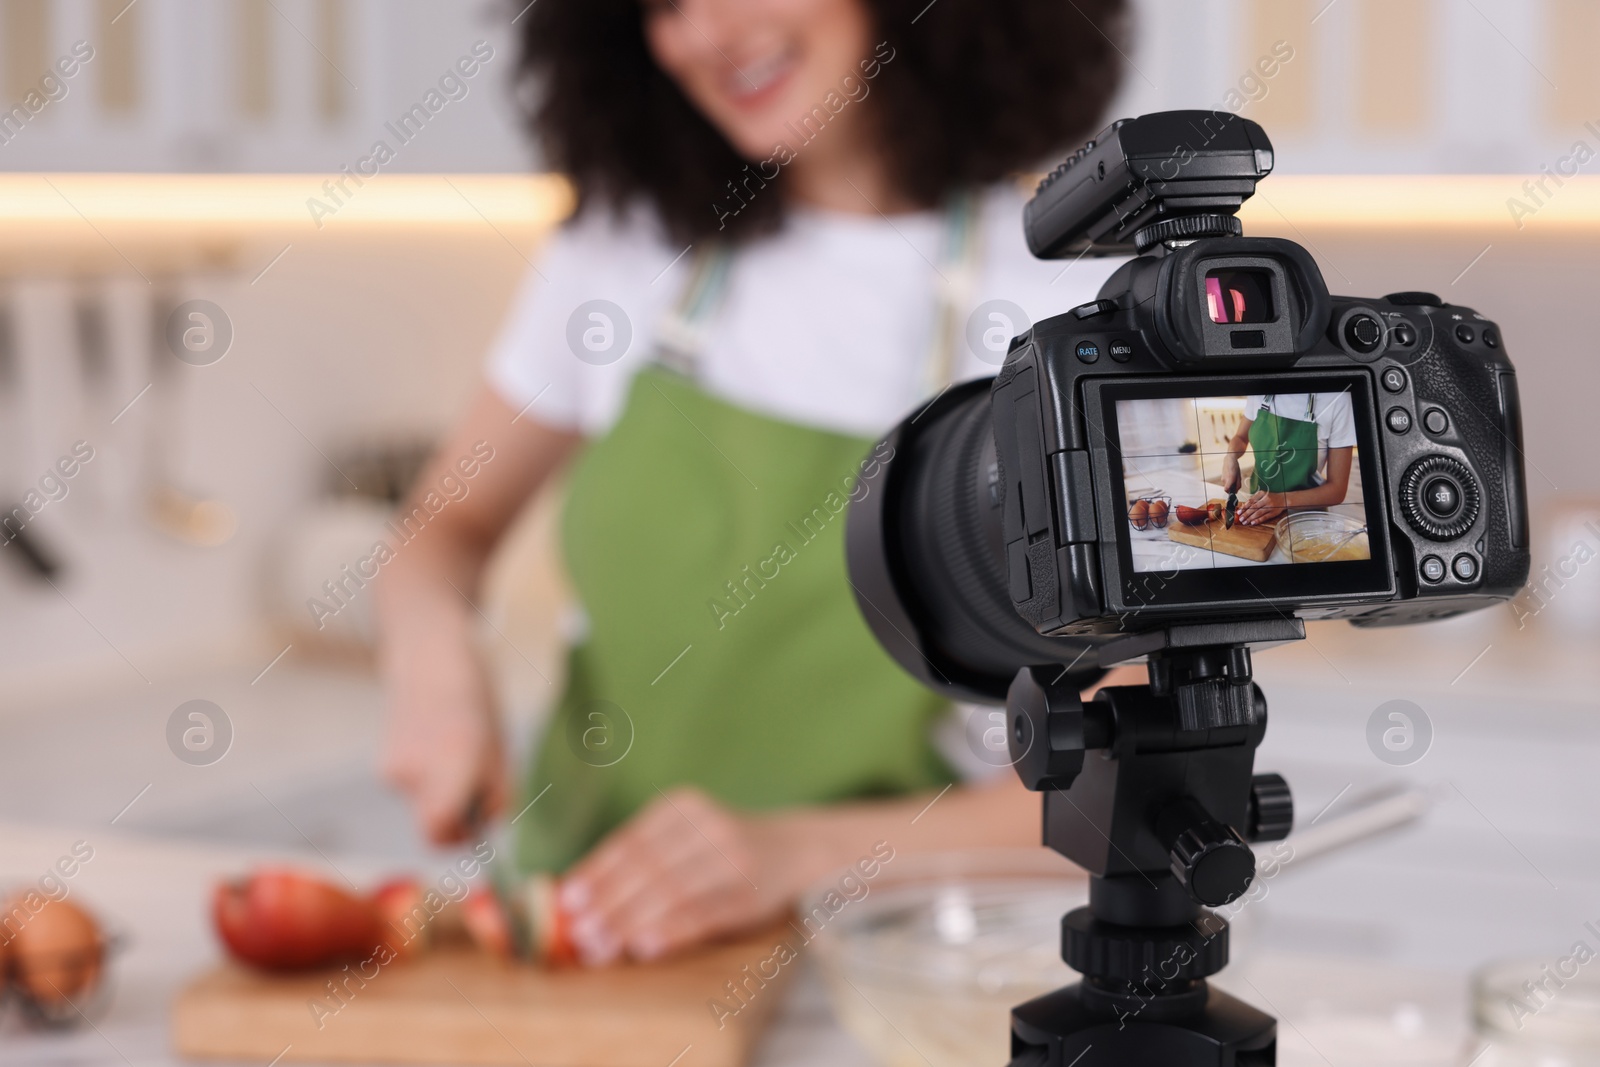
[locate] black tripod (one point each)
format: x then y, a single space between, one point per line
1151 789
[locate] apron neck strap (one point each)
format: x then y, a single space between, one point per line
956 280
681 336
1311 405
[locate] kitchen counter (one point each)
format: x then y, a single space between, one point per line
155 893
1369 949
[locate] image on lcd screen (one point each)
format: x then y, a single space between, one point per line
1242 481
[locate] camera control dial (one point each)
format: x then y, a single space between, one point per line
1439 497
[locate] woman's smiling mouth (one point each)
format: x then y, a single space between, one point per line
754 84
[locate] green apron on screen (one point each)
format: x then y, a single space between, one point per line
1285 450
724 648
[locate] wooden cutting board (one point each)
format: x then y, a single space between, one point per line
458 1006
1247 542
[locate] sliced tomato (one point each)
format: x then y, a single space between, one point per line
280 919
487 923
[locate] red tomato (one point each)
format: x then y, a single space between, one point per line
487 923
407 923
284 920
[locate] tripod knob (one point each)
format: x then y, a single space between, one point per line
1145 958
1209 858
1271 808
1050 728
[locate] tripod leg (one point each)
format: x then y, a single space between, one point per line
1057 1030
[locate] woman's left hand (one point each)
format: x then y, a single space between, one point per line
682 871
1261 508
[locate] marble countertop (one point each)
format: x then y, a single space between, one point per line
154 892
1364 955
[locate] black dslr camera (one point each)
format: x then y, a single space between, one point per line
1179 471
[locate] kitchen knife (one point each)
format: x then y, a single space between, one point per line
1230 510
501 883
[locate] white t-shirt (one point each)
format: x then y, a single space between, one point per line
1332 412
828 323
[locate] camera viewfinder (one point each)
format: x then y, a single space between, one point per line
1239 296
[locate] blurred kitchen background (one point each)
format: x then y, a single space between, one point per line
179 164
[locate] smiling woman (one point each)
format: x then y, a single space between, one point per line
672 107
841 174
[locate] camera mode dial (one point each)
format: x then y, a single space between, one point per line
1439 497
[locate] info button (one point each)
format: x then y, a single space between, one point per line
1088 351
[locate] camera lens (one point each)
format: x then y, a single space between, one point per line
927 557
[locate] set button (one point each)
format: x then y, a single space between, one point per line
1442 497
1439 497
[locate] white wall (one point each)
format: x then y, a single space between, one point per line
1375 86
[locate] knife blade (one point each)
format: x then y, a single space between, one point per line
1230 510
500 884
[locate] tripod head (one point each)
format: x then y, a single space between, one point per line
1151 788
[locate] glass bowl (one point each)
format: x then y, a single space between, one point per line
1323 537
925 968
1537 1013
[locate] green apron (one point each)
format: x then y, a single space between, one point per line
1285 450
724 649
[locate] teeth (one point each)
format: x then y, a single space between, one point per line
759 75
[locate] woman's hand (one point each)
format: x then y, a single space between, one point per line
682 871
442 746
1263 507
1232 477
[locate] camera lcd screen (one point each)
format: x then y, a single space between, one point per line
1246 493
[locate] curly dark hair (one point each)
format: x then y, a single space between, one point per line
977 90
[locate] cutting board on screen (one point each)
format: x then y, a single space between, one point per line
459 1006
1247 542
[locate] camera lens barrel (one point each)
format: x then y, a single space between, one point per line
929 544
